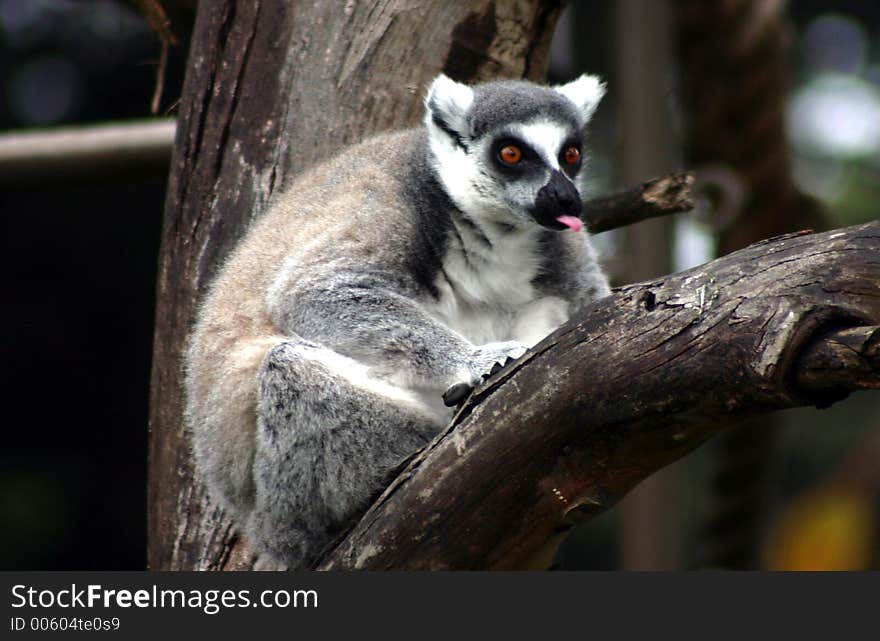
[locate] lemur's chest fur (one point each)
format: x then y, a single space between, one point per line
487 288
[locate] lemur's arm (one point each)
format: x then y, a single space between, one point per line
372 319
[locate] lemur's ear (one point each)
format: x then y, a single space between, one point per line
448 103
585 93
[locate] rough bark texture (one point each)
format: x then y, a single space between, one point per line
271 88
632 383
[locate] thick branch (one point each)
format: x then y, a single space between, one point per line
658 197
632 383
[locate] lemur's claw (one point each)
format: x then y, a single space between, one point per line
456 394
497 367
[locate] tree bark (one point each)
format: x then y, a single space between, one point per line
632 383
271 88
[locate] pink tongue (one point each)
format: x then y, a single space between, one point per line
575 223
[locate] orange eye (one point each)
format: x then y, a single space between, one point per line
510 154
571 155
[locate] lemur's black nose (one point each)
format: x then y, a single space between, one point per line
559 196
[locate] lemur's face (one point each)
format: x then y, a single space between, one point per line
532 170
512 152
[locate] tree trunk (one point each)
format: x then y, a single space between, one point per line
271 88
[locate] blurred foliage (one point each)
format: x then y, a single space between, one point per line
834 113
831 527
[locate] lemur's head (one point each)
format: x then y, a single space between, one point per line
511 151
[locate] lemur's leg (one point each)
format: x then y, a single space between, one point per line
328 441
376 321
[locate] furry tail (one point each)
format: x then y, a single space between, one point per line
222 380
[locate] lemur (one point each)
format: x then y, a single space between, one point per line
400 271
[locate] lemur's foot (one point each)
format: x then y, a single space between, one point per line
458 393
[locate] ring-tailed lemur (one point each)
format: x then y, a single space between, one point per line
402 269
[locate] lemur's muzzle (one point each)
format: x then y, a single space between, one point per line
558 204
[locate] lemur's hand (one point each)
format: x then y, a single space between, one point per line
491 357
485 360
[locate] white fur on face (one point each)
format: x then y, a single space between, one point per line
449 102
471 187
545 137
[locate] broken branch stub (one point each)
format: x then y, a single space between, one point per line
657 197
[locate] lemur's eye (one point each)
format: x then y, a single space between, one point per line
571 156
510 154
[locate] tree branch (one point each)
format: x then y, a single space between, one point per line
658 197
630 384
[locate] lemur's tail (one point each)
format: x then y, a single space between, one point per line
221 412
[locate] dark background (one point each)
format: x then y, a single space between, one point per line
79 262
79 256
